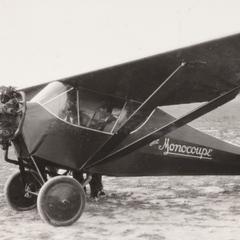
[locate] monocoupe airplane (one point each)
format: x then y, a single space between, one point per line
109 122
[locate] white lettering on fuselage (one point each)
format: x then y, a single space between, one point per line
182 150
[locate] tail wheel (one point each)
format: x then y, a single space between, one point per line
20 196
61 201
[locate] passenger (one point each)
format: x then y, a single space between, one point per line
101 118
110 126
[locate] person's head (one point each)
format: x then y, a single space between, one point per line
106 106
103 108
116 111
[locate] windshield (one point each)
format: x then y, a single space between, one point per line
50 91
85 108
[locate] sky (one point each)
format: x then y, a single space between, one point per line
46 40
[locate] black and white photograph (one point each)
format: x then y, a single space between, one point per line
119 120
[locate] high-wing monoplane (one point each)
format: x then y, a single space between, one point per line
110 122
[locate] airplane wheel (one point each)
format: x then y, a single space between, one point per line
61 201
16 193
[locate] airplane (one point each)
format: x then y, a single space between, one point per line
110 122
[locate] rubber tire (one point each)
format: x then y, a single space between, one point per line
14 191
58 193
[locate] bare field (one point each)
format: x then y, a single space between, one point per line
152 208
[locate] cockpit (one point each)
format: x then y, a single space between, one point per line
85 108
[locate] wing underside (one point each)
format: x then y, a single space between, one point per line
212 68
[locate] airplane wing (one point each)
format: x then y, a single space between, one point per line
212 68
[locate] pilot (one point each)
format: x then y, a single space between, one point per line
84 118
70 113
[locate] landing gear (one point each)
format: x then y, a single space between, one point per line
61 201
22 196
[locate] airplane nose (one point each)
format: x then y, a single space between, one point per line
8 127
10 115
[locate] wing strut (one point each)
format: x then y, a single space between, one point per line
133 121
205 108
147 106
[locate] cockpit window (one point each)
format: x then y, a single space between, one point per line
85 108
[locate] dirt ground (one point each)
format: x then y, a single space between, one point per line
146 208
141 208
